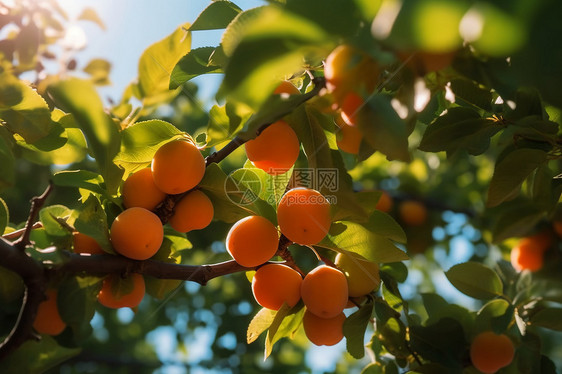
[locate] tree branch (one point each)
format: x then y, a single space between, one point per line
36 204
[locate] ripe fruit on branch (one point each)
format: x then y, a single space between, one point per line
489 352
177 166
350 106
140 190
349 137
193 212
303 215
412 213
275 284
529 253
252 241
385 202
349 69
117 292
323 331
286 87
83 243
324 291
362 275
48 320
137 233
275 150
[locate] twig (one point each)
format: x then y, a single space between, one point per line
17 233
36 204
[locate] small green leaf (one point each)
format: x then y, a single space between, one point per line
459 128
140 142
92 221
85 179
4 216
80 98
90 14
354 329
49 217
470 92
216 16
383 224
11 286
193 64
224 121
511 171
475 280
383 129
77 301
7 162
285 324
495 315
346 236
550 318
516 218
392 335
24 111
99 70
261 322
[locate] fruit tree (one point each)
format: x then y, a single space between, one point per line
376 181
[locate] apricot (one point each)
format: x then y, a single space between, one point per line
412 213
252 241
177 166
348 138
48 320
286 87
385 202
140 190
303 216
323 331
275 284
117 292
350 106
557 226
528 255
193 212
83 243
137 233
347 68
362 275
324 291
489 352
275 150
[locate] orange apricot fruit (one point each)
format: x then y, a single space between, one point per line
347 68
83 243
385 202
412 213
193 212
362 275
527 255
48 320
177 166
275 150
348 138
137 233
117 292
489 352
323 331
286 87
324 291
350 106
557 226
140 190
303 216
275 284
252 241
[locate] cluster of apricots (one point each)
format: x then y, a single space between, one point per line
411 212
489 352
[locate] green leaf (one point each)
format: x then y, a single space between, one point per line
475 280
50 216
550 318
92 221
84 179
99 70
157 62
528 103
77 301
285 324
516 218
345 236
383 224
7 162
459 128
140 142
261 322
4 216
23 109
438 308
495 315
193 64
216 16
383 129
224 121
46 354
90 14
11 286
392 335
80 98
511 171
278 43
470 92
354 329
329 18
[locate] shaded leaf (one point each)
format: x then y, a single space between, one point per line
77 301
92 221
193 64
85 179
550 318
354 329
216 16
475 280
4 216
